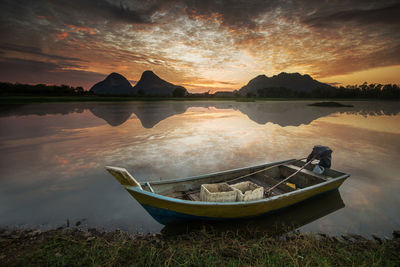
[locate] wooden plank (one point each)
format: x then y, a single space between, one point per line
194 196
328 173
269 182
323 177
266 186
301 179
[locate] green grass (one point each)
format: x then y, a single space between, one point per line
203 248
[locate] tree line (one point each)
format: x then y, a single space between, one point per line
365 90
15 89
41 89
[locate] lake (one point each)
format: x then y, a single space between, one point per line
52 158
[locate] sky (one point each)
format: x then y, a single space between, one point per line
200 44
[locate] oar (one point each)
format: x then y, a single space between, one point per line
270 167
290 176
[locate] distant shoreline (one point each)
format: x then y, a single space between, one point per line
49 99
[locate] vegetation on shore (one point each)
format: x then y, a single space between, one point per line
45 99
329 104
17 89
74 247
364 91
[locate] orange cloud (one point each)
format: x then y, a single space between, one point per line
74 28
62 161
61 36
213 17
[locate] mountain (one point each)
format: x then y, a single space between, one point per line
114 84
293 81
148 85
151 84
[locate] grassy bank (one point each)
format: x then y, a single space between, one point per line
73 247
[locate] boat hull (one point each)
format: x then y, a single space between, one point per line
167 210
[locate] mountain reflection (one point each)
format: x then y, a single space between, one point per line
114 115
283 113
271 224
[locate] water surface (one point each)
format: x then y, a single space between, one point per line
52 157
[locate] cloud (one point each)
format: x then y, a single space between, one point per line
33 72
75 28
324 39
232 13
61 35
35 51
385 56
115 11
387 15
210 82
189 41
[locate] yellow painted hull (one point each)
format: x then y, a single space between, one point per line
170 210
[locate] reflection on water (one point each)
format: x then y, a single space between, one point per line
52 157
273 224
283 113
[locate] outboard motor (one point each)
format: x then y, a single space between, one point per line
324 155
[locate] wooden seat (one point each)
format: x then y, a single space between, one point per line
308 172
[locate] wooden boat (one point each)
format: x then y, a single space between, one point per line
178 200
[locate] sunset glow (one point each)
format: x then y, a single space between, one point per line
201 45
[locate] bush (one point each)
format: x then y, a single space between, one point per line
179 92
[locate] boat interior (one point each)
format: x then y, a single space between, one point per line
266 176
